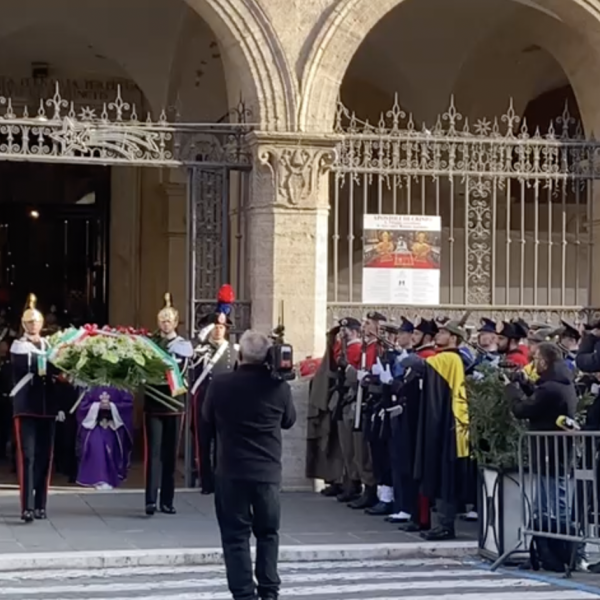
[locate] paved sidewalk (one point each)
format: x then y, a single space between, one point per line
116 521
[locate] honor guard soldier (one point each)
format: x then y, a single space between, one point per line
35 411
509 338
424 338
213 355
568 342
164 409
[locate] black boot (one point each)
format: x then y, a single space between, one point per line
27 516
40 514
332 491
367 500
439 534
352 493
381 509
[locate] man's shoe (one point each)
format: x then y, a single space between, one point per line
351 494
367 500
412 527
150 509
39 514
27 516
400 517
381 509
168 510
439 534
332 491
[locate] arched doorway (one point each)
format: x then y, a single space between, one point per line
455 122
87 136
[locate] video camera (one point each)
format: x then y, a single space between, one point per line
280 358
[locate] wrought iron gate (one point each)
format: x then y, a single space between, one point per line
217 163
516 208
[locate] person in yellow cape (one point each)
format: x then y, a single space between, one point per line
164 409
442 453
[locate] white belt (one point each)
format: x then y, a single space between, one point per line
22 383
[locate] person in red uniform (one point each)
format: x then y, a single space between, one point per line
509 343
362 455
347 356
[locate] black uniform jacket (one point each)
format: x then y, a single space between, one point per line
34 394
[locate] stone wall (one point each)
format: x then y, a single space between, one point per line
294 443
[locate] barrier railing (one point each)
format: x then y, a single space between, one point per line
559 481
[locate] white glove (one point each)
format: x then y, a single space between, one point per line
61 417
360 375
386 376
377 369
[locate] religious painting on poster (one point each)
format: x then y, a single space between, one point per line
401 259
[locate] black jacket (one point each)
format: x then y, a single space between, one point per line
552 396
588 355
249 409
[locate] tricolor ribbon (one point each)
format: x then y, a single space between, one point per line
173 374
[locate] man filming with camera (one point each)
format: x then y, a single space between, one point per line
249 407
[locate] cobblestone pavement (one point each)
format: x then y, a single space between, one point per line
414 579
116 521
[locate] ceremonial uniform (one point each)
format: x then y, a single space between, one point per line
164 409
514 332
34 410
210 358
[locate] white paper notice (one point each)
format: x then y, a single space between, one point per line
401 259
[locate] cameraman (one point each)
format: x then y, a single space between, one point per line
542 403
248 409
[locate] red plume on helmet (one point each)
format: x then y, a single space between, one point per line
225 299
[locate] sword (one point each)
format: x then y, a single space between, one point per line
361 390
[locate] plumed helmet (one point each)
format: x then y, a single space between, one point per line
168 311
31 313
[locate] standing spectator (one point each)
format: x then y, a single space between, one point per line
248 409
552 396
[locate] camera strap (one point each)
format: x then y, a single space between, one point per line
210 366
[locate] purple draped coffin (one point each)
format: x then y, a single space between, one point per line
104 437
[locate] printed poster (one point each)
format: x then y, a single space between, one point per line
401 259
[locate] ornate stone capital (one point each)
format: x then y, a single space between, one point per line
297 170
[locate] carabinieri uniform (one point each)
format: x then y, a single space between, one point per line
35 410
163 417
214 355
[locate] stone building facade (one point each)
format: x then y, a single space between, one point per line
314 76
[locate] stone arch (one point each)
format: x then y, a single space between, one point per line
252 47
348 26
576 57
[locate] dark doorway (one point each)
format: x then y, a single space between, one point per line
54 239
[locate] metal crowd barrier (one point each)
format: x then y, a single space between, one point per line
559 488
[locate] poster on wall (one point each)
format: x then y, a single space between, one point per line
401 259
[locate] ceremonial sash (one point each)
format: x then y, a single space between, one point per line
210 366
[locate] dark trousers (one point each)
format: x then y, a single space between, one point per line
447 514
206 440
382 467
243 508
161 435
35 445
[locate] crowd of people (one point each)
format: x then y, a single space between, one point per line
388 426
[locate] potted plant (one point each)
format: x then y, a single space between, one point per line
495 436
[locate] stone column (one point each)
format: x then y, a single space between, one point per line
287 241
287 237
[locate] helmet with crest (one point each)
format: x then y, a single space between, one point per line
168 312
31 313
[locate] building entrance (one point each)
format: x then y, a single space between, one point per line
54 240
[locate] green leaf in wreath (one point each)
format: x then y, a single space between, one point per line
83 359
